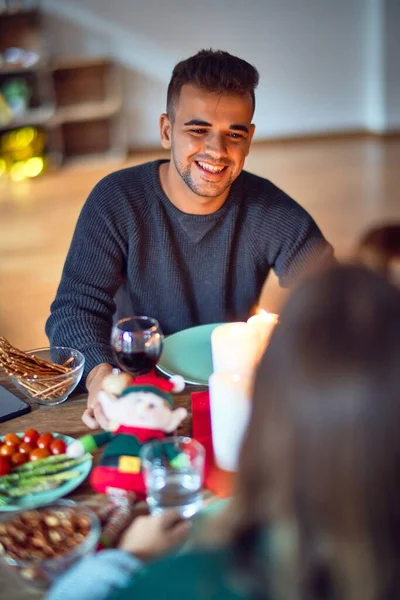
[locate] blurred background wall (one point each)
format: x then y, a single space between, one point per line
325 66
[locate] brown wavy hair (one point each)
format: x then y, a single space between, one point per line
319 473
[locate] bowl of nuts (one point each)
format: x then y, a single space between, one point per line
40 545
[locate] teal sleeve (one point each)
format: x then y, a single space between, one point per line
96 577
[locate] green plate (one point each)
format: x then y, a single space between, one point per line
41 498
188 353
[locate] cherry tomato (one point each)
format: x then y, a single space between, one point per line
12 438
18 458
31 436
5 465
8 449
39 453
26 448
58 447
44 440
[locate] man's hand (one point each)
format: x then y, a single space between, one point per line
152 536
93 416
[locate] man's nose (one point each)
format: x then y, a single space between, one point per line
216 145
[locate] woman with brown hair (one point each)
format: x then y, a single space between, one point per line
316 513
325 421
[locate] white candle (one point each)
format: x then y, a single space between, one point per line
235 348
263 323
230 405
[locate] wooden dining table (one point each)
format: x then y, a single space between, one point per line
66 419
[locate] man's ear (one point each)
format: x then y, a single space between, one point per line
177 417
165 131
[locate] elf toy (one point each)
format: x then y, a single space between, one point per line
139 410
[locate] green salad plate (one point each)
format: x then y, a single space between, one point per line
34 500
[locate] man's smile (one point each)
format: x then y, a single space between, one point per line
209 169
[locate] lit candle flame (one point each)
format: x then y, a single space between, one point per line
263 322
262 315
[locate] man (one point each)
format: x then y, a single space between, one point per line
187 241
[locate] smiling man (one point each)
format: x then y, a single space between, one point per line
209 135
189 240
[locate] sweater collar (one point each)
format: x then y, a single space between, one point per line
196 227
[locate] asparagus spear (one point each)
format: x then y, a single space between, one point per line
32 481
40 484
42 469
49 460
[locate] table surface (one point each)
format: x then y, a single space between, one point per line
64 418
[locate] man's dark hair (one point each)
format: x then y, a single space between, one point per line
215 71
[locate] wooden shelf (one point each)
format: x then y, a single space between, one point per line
76 100
11 69
34 117
89 111
21 29
79 62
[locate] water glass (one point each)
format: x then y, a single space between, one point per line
173 471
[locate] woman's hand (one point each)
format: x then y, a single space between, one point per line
152 536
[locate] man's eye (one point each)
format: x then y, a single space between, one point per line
198 131
236 136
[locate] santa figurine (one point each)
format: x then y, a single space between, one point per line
139 410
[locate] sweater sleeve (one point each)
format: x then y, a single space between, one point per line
96 577
81 314
289 237
303 251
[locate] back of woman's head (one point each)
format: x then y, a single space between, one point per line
322 452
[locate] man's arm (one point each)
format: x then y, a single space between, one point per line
303 253
81 314
293 242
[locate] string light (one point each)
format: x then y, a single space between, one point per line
22 153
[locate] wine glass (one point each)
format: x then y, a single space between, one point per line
137 343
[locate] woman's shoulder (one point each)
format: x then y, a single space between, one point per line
192 576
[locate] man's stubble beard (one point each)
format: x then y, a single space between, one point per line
186 176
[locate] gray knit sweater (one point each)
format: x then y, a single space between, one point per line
134 252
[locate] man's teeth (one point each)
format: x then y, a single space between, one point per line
211 168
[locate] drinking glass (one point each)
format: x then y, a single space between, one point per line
173 472
137 343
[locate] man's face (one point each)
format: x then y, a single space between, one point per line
209 137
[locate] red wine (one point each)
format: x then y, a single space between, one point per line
136 363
